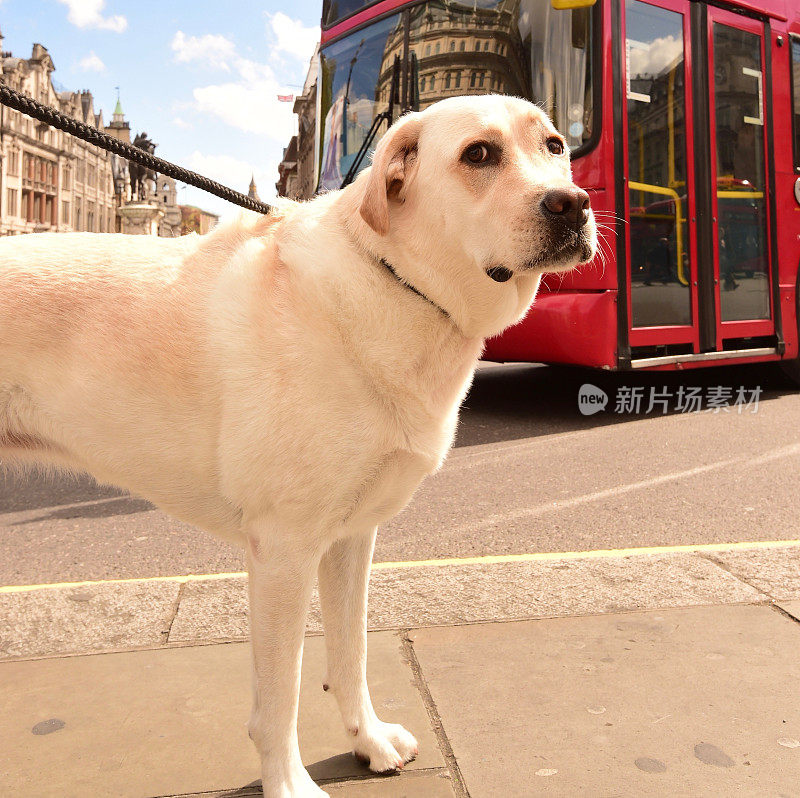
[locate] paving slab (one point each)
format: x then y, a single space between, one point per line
677 702
408 785
792 607
92 618
458 594
419 784
434 595
216 609
172 721
773 571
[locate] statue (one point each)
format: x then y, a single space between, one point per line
141 175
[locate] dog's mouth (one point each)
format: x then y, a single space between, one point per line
566 250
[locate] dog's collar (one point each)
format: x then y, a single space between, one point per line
385 263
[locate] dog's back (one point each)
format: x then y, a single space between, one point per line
99 330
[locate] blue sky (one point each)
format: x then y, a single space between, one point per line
201 78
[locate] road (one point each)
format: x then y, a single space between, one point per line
529 473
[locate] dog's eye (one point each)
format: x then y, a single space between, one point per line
556 146
477 153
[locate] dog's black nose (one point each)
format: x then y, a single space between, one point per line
570 204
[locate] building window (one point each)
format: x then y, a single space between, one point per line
11 202
462 46
64 212
78 213
472 79
433 81
447 81
436 51
452 47
486 46
428 50
458 80
90 217
422 83
13 162
66 177
477 47
480 80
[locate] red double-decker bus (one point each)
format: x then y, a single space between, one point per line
684 122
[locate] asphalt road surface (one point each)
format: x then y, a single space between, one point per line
529 473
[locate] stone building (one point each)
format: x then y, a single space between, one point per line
458 49
50 181
287 171
196 220
166 197
252 190
297 171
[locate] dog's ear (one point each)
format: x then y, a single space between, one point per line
391 168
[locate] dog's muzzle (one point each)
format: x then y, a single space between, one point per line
566 206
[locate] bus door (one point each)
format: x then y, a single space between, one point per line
739 190
697 239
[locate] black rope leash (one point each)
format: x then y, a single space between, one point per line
50 116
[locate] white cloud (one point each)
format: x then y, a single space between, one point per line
656 57
251 106
249 102
91 63
88 14
292 36
233 172
213 49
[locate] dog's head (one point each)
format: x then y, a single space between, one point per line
473 198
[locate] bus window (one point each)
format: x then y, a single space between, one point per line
356 79
741 179
540 52
659 248
527 48
334 11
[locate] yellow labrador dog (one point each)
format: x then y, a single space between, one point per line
288 380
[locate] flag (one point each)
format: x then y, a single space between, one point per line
285 98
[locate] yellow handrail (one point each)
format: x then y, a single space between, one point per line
668 192
740 194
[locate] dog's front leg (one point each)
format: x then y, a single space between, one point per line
343 580
281 569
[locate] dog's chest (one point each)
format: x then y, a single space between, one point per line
384 489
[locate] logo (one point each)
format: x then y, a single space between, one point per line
591 399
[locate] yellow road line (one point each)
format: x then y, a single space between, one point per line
492 559
131 581
545 556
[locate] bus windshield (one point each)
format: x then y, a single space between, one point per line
526 48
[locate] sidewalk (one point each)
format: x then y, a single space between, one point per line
671 674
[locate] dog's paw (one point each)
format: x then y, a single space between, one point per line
297 784
385 747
